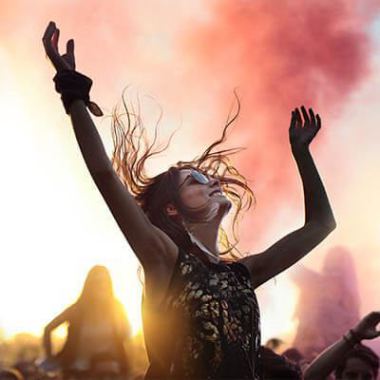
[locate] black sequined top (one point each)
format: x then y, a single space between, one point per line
208 325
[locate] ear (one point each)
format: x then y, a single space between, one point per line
171 210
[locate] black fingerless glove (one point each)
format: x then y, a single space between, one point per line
73 86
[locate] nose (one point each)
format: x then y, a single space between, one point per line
214 182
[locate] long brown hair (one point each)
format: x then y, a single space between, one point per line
132 150
86 300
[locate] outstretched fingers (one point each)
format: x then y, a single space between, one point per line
308 118
69 56
305 116
49 31
374 317
312 118
50 40
292 121
375 320
319 122
47 38
55 40
298 117
70 47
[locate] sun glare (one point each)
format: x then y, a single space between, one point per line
279 302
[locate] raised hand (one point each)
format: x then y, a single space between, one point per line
303 128
367 327
50 39
69 83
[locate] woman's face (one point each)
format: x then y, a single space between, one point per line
201 196
357 369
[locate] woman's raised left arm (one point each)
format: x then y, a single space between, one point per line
319 218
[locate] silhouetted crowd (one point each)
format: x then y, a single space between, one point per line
290 364
99 346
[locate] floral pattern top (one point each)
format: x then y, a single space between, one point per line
207 327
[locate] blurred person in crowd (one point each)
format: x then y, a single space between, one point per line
278 367
348 358
274 344
97 327
11 374
361 363
28 369
105 368
293 354
336 310
200 312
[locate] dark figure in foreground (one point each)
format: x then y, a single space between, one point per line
348 358
200 313
10 374
278 366
97 331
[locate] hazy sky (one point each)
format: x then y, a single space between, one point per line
187 58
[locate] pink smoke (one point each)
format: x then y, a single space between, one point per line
279 55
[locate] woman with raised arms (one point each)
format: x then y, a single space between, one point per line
200 314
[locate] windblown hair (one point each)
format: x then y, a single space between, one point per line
132 150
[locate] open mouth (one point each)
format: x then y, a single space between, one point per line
215 192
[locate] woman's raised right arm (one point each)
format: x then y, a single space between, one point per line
155 250
150 244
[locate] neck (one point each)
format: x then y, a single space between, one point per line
205 236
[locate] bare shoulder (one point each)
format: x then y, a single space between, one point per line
251 262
